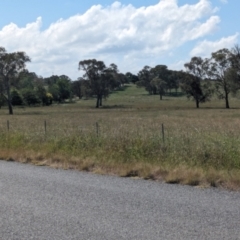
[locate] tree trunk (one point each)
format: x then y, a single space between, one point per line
161 96
197 103
98 101
226 100
10 108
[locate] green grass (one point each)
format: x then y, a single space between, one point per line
201 146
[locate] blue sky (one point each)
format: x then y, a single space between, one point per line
57 34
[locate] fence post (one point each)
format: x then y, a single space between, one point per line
45 127
163 133
97 129
8 125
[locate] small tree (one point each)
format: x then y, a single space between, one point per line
160 85
145 77
54 90
30 97
172 80
49 98
64 86
40 90
167 77
26 79
195 83
115 78
193 88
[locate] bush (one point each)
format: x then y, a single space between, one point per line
17 99
30 97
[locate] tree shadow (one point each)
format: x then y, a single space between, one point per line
172 94
219 108
114 106
148 95
175 94
29 113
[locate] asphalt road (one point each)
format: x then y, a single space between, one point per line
45 203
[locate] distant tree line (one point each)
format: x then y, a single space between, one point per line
203 78
158 80
19 87
218 75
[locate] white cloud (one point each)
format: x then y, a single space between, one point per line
118 33
205 48
178 65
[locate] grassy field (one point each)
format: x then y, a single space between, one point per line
200 147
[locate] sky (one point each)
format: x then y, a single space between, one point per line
57 34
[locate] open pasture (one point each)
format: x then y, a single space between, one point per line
133 134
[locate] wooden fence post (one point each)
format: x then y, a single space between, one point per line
45 127
163 133
97 129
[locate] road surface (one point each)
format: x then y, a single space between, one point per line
45 203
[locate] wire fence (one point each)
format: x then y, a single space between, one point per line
51 129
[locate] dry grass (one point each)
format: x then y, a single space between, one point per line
201 146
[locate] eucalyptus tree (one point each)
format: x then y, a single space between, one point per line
197 67
195 82
2 99
64 86
11 64
222 72
99 78
194 89
160 85
26 79
118 79
172 80
78 87
235 59
145 77
163 78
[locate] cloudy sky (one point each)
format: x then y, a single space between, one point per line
57 34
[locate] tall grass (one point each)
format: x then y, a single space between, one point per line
125 142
